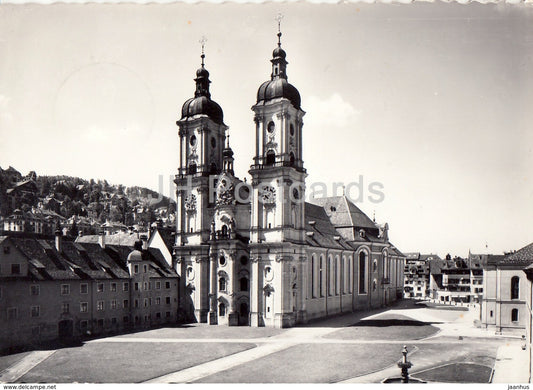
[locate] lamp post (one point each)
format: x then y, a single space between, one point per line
405 365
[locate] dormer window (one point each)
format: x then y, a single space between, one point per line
333 208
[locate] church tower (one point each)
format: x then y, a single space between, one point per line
201 138
278 181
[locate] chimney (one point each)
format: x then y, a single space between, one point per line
144 240
101 239
59 237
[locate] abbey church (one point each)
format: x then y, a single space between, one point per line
256 253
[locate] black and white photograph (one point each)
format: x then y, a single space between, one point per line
266 193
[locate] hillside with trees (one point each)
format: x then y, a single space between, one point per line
73 196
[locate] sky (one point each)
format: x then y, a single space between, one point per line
428 102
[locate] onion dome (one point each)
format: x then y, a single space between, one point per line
201 103
278 86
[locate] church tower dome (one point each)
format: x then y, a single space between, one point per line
278 85
201 103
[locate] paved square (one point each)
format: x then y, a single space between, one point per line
356 347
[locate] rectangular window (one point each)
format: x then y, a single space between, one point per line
145 286
100 305
136 303
145 268
126 304
125 319
65 289
126 286
100 322
158 301
158 285
113 320
84 324
35 311
35 290
7 249
84 307
167 285
15 269
12 313
167 300
84 288
113 287
65 308
136 269
100 287
157 315
145 302
113 304
167 314
136 286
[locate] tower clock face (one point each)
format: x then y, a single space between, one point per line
268 194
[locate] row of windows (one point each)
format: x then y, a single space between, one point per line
341 279
100 305
147 286
84 287
514 315
244 284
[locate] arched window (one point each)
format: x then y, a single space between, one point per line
362 273
244 284
515 287
514 315
270 157
313 282
320 277
221 309
224 231
222 260
331 276
222 284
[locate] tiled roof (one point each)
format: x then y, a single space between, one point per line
168 238
121 238
321 232
522 257
342 212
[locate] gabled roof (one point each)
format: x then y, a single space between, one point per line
168 237
522 257
342 212
322 233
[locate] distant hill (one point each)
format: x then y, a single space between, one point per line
73 196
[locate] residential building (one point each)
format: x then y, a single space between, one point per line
505 288
58 289
417 275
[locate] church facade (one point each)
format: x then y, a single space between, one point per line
256 253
